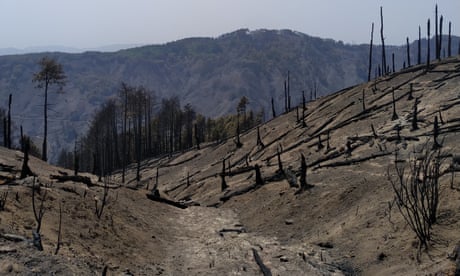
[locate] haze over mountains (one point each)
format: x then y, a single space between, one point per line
212 74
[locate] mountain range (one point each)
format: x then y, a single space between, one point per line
211 74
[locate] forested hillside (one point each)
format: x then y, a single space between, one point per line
210 74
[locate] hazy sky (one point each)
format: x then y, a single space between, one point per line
94 23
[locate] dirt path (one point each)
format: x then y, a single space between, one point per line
202 246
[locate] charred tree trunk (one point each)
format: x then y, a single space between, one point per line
395 116
436 145
414 116
440 38
303 173
449 41
363 101
428 45
393 61
285 97
411 90
197 138
408 51
436 32
303 100
25 171
289 90
223 184
280 164
259 179
419 46
370 53
259 140
384 62
9 121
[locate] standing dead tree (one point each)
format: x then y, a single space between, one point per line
259 140
303 175
58 245
408 51
38 215
101 203
414 115
417 191
223 183
384 60
428 45
449 41
25 171
419 46
436 37
370 54
8 139
395 116
440 38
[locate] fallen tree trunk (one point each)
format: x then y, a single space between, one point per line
265 270
157 198
75 178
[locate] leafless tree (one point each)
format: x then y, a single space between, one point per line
38 214
416 188
101 203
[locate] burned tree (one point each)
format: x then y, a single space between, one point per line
259 140
38 215
101 203
417 191
419 46
384 62
370 53
414 115
449 41
395 116
436 37
8 139
197 137
303 174
411 90
259 179
408 51
280 164
25 171
223 183
440 38
428 45
436 145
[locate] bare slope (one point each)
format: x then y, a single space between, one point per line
341 225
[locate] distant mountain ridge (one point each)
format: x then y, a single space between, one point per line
211 74
64 49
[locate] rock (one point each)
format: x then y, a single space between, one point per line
289 221
284 259
325 245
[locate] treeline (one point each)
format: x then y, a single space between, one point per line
135 126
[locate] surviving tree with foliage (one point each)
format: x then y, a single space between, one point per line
50 74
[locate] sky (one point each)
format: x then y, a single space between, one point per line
96 23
